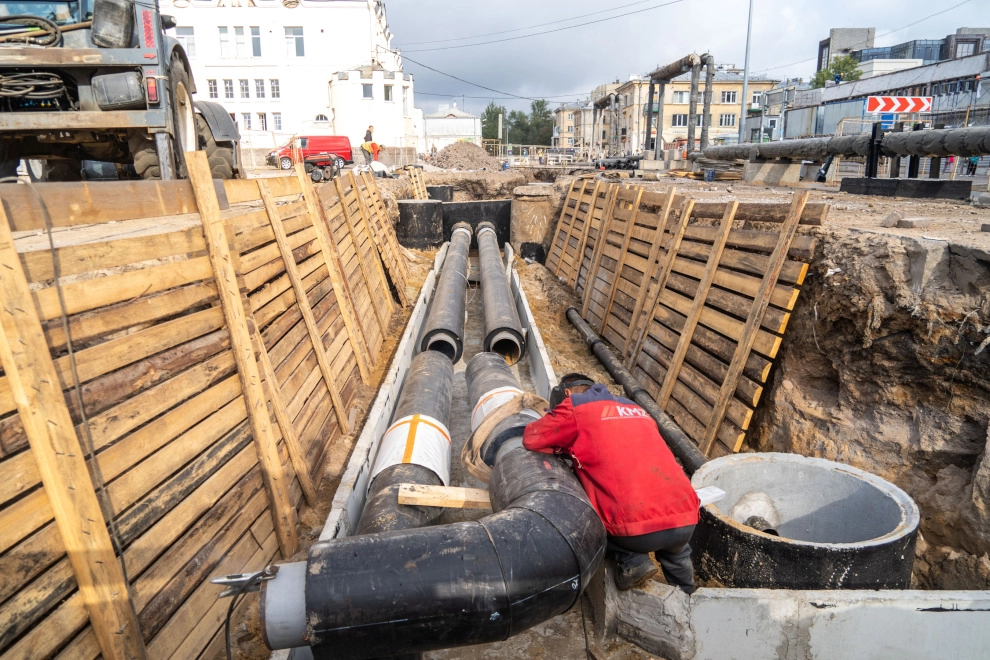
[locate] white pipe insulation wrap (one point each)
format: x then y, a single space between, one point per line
417 440
490 401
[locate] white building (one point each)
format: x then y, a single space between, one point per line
279 67
448 125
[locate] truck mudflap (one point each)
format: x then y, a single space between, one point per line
221 125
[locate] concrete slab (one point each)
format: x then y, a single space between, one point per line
913 223
771 173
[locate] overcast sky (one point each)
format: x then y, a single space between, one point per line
573 61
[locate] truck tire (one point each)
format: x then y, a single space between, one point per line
187 135
220 156
142 148
42 170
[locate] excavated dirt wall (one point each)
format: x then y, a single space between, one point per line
884 368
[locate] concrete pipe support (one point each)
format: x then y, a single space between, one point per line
444 329
503 331
792 522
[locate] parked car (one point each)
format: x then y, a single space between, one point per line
302 147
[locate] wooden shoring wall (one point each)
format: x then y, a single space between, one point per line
418 185
695 296
598 199
215 368
383 233
563 248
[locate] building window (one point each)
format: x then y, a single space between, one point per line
570 116
678 120
276 90
570 142
245 89
225 50
367 91
240 42
388 92
570 129
964 50
277 121
259 88
405 101
212 85
756 97
228 88
262 121
682 97
773 124
322 119
246 120
255 42
294 46
727 120
729 97
186 38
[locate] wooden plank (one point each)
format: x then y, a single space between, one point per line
376 261
387 230
596 259
623 251
247 368
61 463
444 496
748 339
792 272
302 300
84 203
384 235
670 255
566 213
697 306
365 271
814 214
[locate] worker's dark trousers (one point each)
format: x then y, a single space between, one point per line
670 547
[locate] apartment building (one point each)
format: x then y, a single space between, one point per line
566 120
286 67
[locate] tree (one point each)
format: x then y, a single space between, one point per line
489 121
518 127
540 123
845 66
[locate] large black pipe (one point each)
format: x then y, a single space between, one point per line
425 396
462 583
444 329
503 332
683 448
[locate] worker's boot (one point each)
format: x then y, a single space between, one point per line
634 570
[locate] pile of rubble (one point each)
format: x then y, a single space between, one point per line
464 156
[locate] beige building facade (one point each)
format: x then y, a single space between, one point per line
566 119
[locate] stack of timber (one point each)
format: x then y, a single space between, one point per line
695 296
174 374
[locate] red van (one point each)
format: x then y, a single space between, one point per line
337 147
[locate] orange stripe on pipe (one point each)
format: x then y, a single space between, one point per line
410 439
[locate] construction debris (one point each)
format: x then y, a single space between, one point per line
465 156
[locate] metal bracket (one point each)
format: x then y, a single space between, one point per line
238 583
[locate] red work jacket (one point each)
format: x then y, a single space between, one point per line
626 469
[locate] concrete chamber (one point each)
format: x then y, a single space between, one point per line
791 522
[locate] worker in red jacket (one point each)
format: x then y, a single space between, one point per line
639 491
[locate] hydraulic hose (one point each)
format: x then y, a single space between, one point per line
503 332
450 585
682 447
414 450
444 329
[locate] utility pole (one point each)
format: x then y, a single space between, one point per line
745 91
499 130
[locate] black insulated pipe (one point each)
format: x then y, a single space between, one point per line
444 328
503 332
462 583
490 383
683 448
418 433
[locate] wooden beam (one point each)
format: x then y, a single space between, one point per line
596 258
384 235
362 351
283 513
583 241
687 332
623 252
375 256
61 461
349 222
450 497
745 344
302 300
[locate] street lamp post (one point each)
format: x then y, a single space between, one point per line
745 90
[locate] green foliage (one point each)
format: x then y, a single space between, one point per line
489 120
845 65
534 128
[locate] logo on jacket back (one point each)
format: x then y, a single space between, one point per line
623 412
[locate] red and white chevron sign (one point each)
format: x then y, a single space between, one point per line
899 104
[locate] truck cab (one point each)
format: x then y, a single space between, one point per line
304 147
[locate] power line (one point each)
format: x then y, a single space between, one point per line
561 29
903 27
501 98
530 27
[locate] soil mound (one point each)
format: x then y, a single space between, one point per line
464 156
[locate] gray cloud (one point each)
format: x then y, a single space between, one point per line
575 61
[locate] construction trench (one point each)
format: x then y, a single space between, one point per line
869 353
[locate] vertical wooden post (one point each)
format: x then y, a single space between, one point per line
596 259
375 257
756 313
623 251
379 312
691 322
572 278
362 352
61 461
565 214
283 513
302 300
385 240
